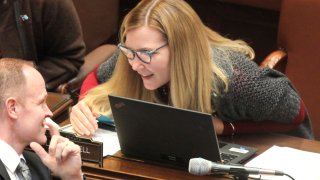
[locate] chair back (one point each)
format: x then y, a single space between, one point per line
99 20
299 35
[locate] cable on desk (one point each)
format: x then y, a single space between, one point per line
285 174
237 177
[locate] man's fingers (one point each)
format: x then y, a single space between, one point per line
69 149
55 140
60 148
53 127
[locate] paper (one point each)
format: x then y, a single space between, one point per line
108 138
301 165
110 141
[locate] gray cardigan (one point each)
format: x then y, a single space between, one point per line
254 93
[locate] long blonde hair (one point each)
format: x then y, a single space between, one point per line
192 64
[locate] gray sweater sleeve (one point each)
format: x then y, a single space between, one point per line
254 93
105 69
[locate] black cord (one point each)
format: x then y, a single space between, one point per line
259 178
285 174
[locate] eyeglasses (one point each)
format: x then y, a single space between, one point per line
143 55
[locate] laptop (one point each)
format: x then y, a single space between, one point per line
170 136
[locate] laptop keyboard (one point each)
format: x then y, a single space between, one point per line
221 144
227 157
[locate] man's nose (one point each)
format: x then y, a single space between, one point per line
48 111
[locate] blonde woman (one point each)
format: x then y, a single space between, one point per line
168 56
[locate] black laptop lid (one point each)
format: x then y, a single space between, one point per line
163 133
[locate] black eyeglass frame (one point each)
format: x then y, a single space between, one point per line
135 52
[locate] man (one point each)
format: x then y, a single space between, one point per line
23 109
47 32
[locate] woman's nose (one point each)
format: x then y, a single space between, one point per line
136 64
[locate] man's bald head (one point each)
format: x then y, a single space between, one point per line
12 78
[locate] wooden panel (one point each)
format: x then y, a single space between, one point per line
99 20
299 34
264 4
59 105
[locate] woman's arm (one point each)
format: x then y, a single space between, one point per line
250 126
259 100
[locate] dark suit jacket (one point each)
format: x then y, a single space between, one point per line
38 170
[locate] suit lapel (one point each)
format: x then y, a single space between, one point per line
38 170
3 172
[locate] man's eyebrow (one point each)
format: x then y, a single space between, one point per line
43 97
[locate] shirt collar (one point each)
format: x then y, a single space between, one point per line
9 156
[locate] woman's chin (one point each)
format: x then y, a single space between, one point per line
150 87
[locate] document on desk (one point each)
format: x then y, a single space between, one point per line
110 141
107 137
301 165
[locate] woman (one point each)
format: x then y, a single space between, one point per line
169 56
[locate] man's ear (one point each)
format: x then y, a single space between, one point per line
12 107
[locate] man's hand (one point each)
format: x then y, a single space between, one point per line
64 157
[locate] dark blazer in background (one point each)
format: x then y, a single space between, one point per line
47 32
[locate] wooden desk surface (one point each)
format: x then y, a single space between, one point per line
118 168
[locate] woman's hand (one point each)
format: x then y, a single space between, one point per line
218 125
83 119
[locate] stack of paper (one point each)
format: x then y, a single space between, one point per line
301 165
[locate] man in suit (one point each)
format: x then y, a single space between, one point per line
23 110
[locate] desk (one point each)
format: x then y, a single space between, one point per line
116 167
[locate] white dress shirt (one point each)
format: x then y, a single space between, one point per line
9 158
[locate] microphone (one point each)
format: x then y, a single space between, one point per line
200 167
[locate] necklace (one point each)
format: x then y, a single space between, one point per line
163 92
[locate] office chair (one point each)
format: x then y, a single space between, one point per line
299 52
99 22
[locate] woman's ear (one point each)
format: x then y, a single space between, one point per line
12 107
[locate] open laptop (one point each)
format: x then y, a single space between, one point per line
170 135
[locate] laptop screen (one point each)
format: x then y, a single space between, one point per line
163 133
